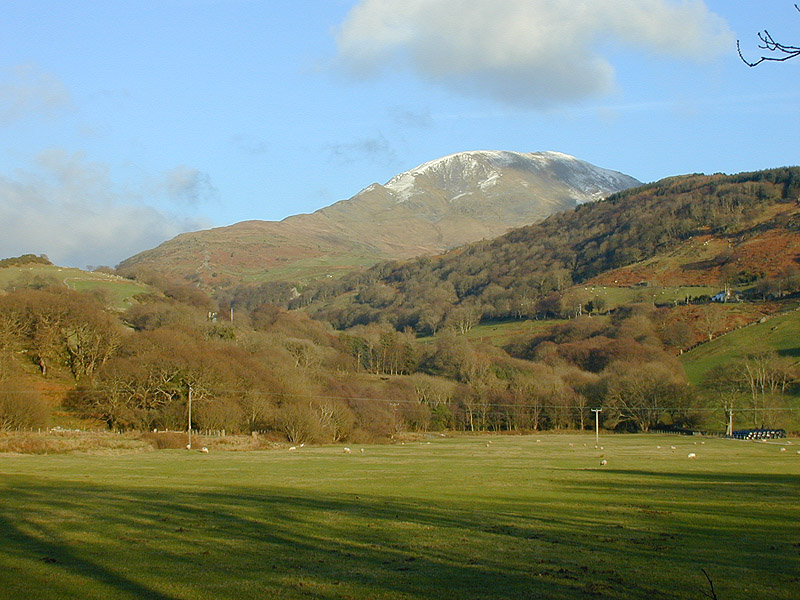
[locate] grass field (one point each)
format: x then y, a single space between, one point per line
120 292
781 334
448 518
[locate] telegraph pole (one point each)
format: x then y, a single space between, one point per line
730 421
189 423
597 412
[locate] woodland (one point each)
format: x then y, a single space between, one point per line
387 349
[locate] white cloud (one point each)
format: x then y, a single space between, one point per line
189 186
70 209
26 91
523 52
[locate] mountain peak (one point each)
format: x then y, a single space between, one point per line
437 205
464 172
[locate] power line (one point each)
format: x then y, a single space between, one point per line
219 392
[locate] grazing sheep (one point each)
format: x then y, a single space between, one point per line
658 447
673 447
362 451
347 451
603 462
204 450
293 448
783 449
188 446
691 455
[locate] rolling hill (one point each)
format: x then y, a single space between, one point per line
740 231
434 207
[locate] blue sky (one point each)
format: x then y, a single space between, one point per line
123 124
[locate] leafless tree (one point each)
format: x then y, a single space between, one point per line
780 52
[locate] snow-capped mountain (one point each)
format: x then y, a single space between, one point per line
428 209
487 171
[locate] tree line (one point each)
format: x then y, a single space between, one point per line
295 378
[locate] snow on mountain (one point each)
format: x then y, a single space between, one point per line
467 172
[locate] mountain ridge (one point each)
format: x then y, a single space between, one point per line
428 209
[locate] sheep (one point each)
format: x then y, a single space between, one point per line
204 450
691 455
603 462
673 447
188 446
292 448
347 450
658 447
783 449
362 451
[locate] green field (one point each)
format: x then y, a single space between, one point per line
780 333
118 291
521 517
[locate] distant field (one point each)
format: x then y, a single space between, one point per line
615 296
781 333
500 333
120 291
524 517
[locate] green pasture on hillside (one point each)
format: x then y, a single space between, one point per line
469 518
617 296
780 333
119 292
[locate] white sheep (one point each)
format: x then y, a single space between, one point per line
673 447
347 450
362 451
691 455
603 462
783 449
292 448
204 450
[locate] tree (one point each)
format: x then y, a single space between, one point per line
640 393
780 52
21 406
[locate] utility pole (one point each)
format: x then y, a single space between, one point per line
189 424
597 412
730 421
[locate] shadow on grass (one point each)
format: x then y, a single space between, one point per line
251 542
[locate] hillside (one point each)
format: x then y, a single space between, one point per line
434 207
116 292
742 231
574 343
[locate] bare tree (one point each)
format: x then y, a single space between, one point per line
780 52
